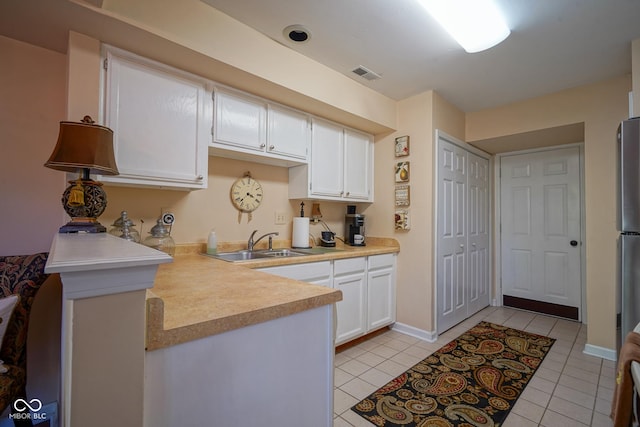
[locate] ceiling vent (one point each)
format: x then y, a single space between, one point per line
366 73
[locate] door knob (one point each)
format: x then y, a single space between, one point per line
573 243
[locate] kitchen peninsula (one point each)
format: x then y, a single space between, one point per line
222 341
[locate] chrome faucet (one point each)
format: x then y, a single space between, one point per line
251 243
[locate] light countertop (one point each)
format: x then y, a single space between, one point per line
197 296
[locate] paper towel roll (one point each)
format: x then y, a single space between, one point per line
300 237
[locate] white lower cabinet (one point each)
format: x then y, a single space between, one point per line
368 286
349 276
381 291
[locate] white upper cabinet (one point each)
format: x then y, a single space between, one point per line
240 121
340 168
358 165
327 160
161 119
288 132
250 128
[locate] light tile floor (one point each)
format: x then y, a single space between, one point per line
568 389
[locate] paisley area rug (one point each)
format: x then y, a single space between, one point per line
472 381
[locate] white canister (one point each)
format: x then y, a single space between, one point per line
212 243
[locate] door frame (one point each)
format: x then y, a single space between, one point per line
497 235
439 134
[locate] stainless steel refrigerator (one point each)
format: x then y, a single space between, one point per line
629 224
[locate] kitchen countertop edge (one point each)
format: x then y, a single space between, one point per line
221 288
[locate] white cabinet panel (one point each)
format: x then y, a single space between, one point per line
250 128
357 171
160 117
381 291
327 160
288 133
240 121
340 167
351 310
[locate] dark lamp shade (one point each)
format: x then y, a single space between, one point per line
84 146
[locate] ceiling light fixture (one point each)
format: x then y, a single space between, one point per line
476 25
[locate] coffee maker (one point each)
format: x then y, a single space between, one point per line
353 227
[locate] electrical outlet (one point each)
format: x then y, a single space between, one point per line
280 218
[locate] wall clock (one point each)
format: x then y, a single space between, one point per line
246 195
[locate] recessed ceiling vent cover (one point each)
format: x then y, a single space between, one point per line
366 73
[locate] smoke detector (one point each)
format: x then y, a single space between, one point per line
296 33
366 73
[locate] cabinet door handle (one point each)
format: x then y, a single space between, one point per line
348 193
200 177
263 145
271 147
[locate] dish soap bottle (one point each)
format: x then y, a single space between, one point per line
212 243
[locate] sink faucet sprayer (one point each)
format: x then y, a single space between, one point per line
251 243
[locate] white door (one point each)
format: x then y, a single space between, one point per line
478 233
462 254
452 236
541 231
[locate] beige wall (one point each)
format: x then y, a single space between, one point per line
418 117
601 107
32 102
197 212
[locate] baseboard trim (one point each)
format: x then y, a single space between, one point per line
415 332
603 352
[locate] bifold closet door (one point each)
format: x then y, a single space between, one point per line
462 247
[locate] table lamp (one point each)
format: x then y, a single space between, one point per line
86 148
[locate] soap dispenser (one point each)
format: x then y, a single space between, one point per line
212 243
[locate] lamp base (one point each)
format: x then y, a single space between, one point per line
85 225
84 200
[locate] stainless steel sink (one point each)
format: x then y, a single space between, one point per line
245 255
281 253
237 256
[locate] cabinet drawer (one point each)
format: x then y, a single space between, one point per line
381 261
349 265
